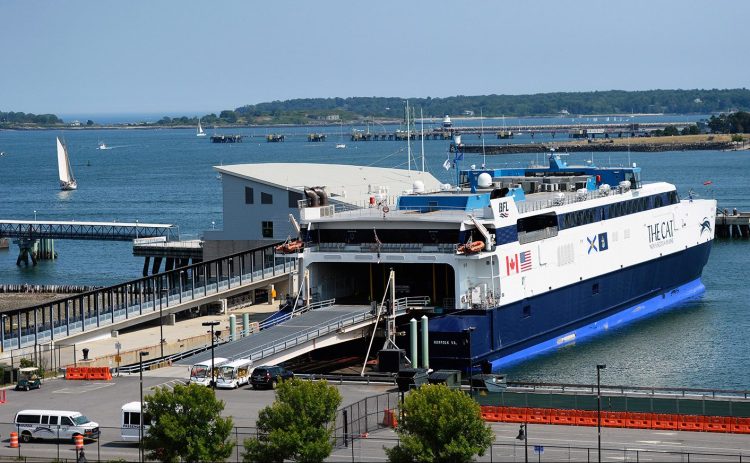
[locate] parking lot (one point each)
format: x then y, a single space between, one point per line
101 402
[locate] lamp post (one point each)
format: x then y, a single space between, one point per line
140 421
2 332
599 367
468 372
212 324
524 436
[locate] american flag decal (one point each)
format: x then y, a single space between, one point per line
525 261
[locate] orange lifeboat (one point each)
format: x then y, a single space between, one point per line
470 248
290 247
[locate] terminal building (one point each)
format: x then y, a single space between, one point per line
258 198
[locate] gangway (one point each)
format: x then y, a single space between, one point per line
316 327
95 313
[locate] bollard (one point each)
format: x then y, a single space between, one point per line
79 441
13 440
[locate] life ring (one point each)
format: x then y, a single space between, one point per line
385 209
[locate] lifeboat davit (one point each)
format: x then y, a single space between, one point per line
470 248
290 247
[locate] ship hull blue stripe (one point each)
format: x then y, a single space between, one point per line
525 327
685 292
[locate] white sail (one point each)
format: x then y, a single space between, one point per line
67 182
200 132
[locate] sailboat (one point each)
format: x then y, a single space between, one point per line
67 182
341 145
200 132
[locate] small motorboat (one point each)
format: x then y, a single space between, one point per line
490 382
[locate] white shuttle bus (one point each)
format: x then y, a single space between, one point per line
234 374
131 422
200 373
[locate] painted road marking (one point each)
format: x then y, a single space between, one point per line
82 389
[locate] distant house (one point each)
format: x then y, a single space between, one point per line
332 117
468 112
75 124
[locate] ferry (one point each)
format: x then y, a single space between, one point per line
515 261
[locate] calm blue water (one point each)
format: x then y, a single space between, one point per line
166 176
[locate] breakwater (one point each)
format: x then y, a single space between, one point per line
592 147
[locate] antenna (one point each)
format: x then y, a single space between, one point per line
421 120
408 137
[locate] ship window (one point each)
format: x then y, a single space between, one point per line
526 311
293 198
595 288
658 202
267 229
266 198
248 195
537 222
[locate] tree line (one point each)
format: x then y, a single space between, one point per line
11 118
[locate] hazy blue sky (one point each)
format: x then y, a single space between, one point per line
191 57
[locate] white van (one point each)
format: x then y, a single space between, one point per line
234 374
200 373
54 424
131 422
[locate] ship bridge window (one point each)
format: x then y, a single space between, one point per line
537 227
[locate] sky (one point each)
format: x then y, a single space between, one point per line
184 57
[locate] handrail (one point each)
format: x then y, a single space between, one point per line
633 389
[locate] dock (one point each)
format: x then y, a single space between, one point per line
274 138
732 224
226 138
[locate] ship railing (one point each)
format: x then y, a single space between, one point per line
411 301
570 197
442 248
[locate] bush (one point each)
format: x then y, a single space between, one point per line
439 425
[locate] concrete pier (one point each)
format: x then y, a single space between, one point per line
732 224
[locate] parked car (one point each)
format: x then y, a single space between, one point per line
269 376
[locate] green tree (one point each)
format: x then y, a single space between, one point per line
438 425
298 425
187 425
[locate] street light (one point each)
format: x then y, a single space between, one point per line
213 376
140 421
468 373
523 435
599 410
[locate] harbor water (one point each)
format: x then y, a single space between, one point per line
167 176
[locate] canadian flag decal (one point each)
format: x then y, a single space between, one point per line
511 264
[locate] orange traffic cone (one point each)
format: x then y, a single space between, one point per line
14 440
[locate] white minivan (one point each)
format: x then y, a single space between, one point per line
54 424
131 422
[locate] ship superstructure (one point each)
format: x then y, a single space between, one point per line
527 258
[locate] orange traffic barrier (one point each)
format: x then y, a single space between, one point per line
14 440
690 423
740 425
614 419
664 422
492 413
538 415
486 414
638 420
566 417
514 415
79 441
586 418
76 372
717 424
98 373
